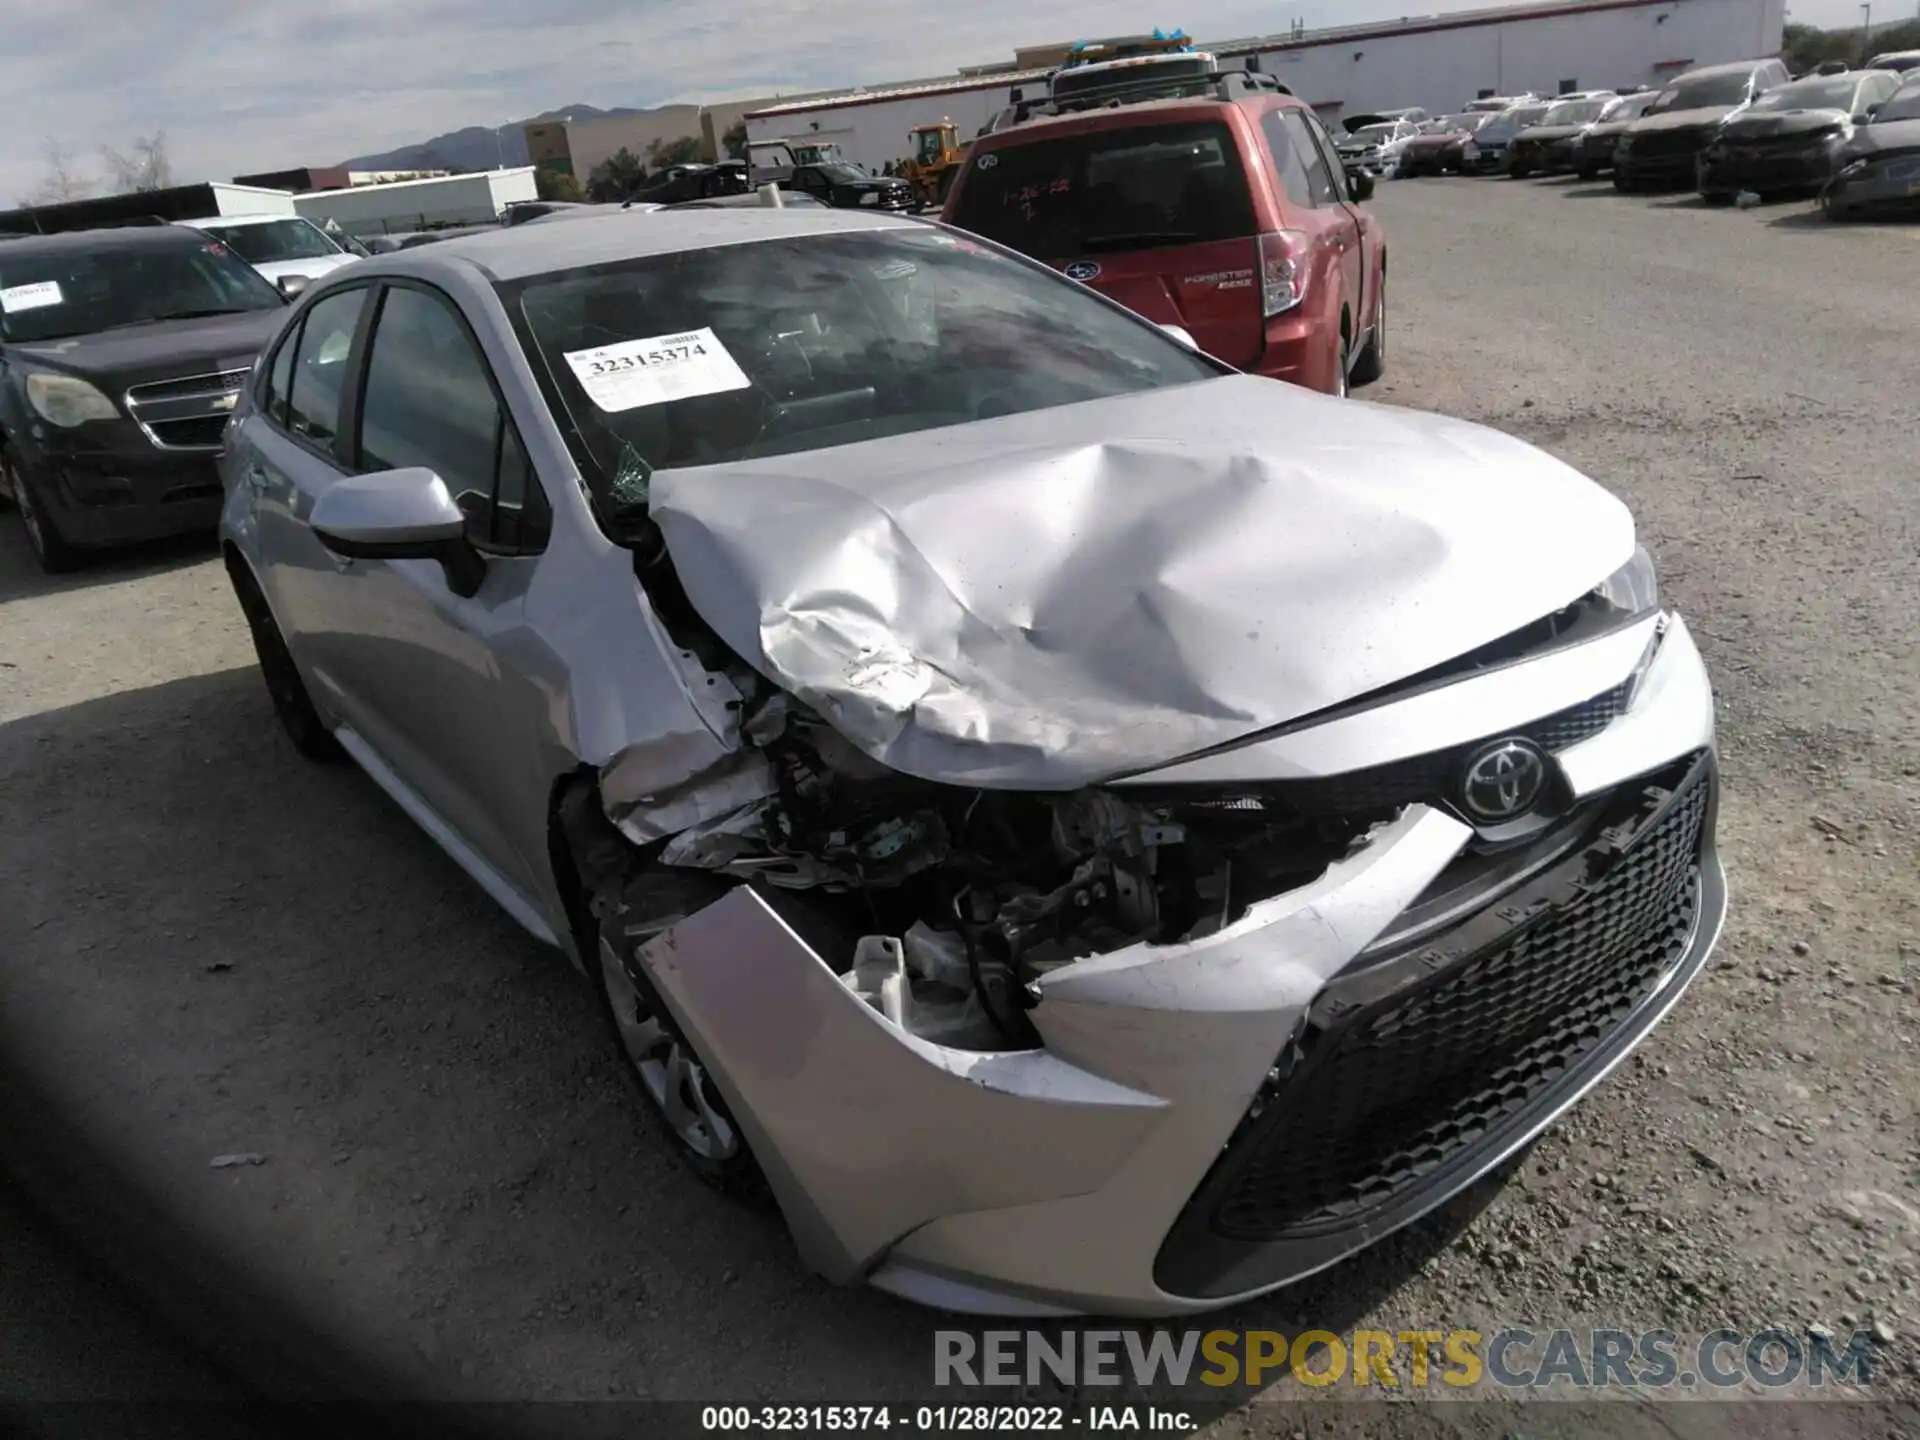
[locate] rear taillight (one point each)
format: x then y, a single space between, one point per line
1283 271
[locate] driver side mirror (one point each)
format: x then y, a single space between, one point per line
1867 114
1359 186
292 287
399 515
1183 335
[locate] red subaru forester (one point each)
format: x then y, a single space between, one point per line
1223 210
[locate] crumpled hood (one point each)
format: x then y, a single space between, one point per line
1775 124
1703 118
1046 600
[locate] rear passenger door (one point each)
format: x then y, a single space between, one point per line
290 451
1316 193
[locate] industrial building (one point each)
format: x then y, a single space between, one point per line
577 147
419 204
1437 62
176 202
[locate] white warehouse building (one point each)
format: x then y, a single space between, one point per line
474 199
1437 62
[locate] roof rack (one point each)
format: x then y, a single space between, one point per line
1223 85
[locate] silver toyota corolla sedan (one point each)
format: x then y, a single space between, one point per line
1085 829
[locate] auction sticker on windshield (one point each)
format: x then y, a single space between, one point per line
655 370
16 298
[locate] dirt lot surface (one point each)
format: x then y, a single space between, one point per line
216 948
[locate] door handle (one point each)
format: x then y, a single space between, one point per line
1340 242
256 479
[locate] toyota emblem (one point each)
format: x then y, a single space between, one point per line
1082 270
1502 781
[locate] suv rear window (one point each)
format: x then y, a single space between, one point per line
1135 188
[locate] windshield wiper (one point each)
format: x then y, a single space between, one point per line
176 315
1139 237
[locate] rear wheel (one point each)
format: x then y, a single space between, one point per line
1372 362
1587 172
1715 198
285 688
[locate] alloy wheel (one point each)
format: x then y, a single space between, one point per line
672 1076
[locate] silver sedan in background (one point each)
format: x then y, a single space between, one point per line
1085 829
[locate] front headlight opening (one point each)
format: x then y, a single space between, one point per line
67 400
1634 588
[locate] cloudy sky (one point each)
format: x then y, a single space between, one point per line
242 87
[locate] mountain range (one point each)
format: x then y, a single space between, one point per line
476 147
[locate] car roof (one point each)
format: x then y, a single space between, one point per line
1171 111
109 237
522 251
256 219
1735 67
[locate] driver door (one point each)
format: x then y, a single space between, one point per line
440 686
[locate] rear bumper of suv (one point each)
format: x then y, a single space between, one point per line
1301 350
121 497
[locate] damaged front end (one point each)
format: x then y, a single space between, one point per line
952 902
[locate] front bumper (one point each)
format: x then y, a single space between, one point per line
1888 186
125 494
1802 168
1487 160
1214 1119
1676 168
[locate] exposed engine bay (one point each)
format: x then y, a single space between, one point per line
956 899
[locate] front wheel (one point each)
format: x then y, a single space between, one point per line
50 548
669 1071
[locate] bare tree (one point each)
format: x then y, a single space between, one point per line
142 166
61 182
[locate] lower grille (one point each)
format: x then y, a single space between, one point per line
202 432
1393 1090
1667 144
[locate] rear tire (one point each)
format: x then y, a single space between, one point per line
285 688
50 548
1586 172
1715 198
1372 362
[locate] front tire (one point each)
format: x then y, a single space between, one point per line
51 551
667 1068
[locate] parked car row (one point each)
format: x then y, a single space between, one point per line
1851 137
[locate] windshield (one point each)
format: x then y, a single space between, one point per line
1629 107
1376 134
727 354
1905 105
274 240
1575 112
1508 121
927 146
1448 124
1702 93
82 292
1111 190
1833 93
842 174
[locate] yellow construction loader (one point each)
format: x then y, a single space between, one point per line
935 156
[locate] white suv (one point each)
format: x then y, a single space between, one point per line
280 247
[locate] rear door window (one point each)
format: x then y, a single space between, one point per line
1136 188
1290 159
1322 165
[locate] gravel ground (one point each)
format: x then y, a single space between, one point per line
217 948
